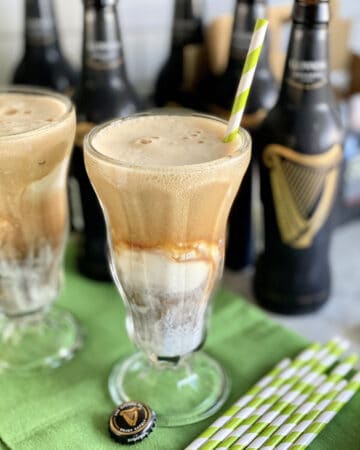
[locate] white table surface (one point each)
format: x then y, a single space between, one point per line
341 314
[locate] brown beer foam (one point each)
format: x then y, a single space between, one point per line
165 140
21 113
166 206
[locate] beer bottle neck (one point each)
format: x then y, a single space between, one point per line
245 16
40 26
103 57
186 25
306 74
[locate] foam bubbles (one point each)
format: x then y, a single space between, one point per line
10 112
21 113
164 140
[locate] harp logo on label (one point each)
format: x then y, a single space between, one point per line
304 189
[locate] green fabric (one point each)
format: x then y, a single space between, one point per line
68 408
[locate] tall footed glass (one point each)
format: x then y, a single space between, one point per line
166 184
37 130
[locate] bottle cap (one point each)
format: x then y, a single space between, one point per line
131 422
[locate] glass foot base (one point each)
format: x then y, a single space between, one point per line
43 339
180 394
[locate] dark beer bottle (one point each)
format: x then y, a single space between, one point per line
300 166
43 63
104 92
221 93
177 79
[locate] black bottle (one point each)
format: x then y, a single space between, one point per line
176 83
221 93
104 93
43 63
300 168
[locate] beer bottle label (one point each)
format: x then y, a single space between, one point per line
103 55
82 129
40 31
307 74
304 189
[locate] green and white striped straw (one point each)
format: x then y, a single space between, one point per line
246 79
310 417
291 416
244 400
261 437
328 414
251 399
223 426
238 425
257 423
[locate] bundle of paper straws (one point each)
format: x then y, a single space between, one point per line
290 406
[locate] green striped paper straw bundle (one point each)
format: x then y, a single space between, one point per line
269 420
284 380
247 75
282 375
328 414
281 428
241 436
247 398
310 417
253 398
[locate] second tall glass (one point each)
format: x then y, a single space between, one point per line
37 129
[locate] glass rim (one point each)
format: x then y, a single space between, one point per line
243 149
35 90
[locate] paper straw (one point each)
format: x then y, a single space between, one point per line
274 391
244 400
243 435
246 79
309 418
254 396
328 414
292 406
291 416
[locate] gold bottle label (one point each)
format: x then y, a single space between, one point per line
82 129
304 189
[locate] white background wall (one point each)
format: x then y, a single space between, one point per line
145 28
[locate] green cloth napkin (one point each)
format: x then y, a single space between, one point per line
68 408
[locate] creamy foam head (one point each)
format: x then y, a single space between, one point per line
164 140
181 195
21 113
